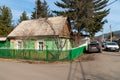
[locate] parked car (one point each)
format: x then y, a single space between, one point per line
94 47
103 44
111 46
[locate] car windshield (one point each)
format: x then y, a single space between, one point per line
93 44
111 43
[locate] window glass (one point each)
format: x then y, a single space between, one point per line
19 44
40 45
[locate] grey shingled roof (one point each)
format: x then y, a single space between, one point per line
39 27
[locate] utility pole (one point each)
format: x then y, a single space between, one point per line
110 33
110 25
103 35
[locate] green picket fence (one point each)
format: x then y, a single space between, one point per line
47 55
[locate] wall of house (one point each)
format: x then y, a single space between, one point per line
54 44
48 44
28 44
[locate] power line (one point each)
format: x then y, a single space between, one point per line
112 2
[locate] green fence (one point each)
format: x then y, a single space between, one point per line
47 55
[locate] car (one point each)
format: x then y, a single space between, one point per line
94 47
111 46
103 44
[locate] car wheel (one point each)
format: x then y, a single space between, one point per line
100 51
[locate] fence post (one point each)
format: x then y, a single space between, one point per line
57 55
46 53
29 53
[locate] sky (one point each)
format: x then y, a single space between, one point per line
18 6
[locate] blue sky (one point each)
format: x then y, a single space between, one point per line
18 6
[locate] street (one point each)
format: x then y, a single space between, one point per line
106 66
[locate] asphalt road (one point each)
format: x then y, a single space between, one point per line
105 67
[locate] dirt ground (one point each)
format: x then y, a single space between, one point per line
106 66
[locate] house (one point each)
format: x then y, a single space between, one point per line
44 33
4 43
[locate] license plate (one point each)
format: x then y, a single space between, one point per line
93 47
112 48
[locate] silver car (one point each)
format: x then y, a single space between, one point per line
111 46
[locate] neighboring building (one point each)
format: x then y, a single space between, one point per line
4 43
3 39
44 33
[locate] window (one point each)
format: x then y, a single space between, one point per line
40 45
19 45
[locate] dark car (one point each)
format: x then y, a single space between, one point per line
94 47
